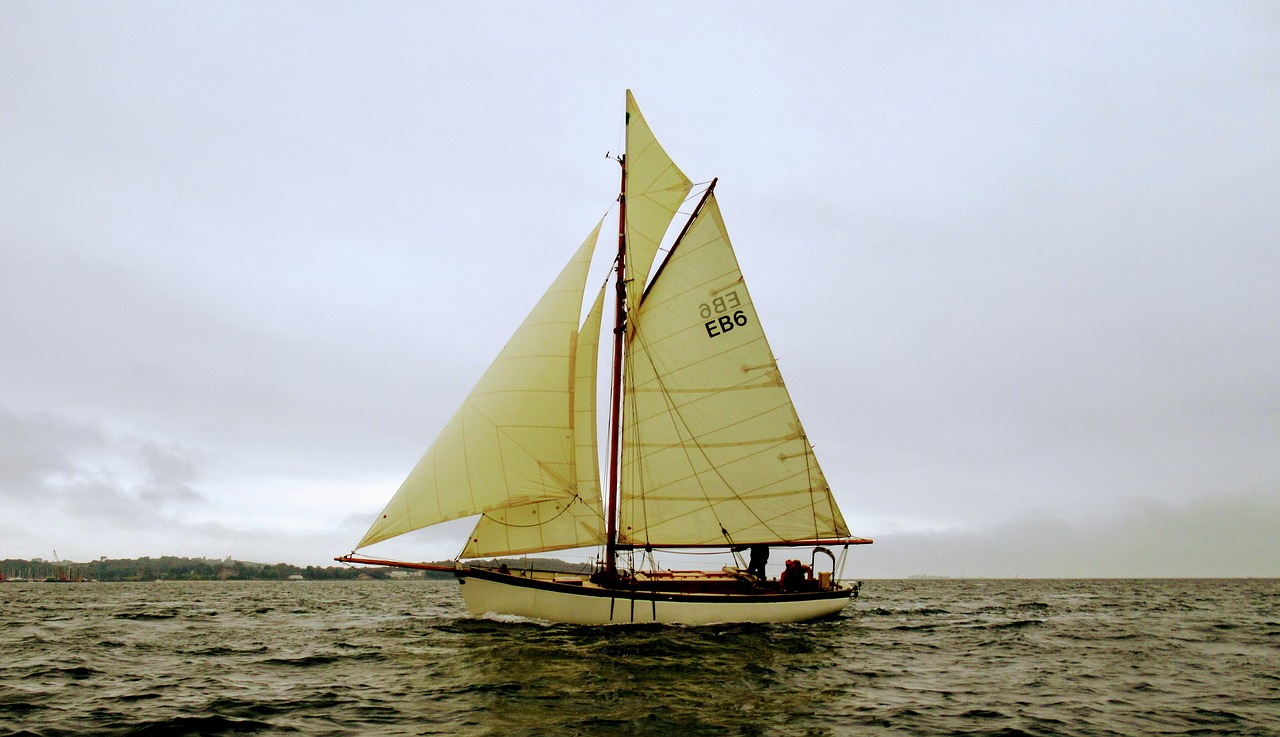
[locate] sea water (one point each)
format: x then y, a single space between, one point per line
921 657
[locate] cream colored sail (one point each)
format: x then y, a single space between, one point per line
511 443
655 187
558 524
713 452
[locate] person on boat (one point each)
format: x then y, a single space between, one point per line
795 575
789 576
759 556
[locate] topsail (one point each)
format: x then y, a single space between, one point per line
654 188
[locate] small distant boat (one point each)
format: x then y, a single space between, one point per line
705 448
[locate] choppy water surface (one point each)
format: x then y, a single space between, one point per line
371 657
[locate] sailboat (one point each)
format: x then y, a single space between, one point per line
705 450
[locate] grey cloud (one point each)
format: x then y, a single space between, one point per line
80 468
31 448
1016 265
1223 536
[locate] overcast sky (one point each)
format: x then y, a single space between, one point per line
1020 262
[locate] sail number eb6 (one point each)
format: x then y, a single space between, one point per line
723 313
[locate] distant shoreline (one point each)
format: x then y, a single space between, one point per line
174 568
170 568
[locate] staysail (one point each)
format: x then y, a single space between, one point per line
558 524
713 452
512 443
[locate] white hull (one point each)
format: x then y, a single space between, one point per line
582 603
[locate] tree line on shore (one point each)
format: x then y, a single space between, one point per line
172 568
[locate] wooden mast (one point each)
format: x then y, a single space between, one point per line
615 412
619 338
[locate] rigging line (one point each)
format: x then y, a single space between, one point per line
674 411
634 326
575 498
809 457
636 471
370 557
375 575
504 429
711 188
683 551
831 510
693 193
674 408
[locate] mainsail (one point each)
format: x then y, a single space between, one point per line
513 441
713 452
